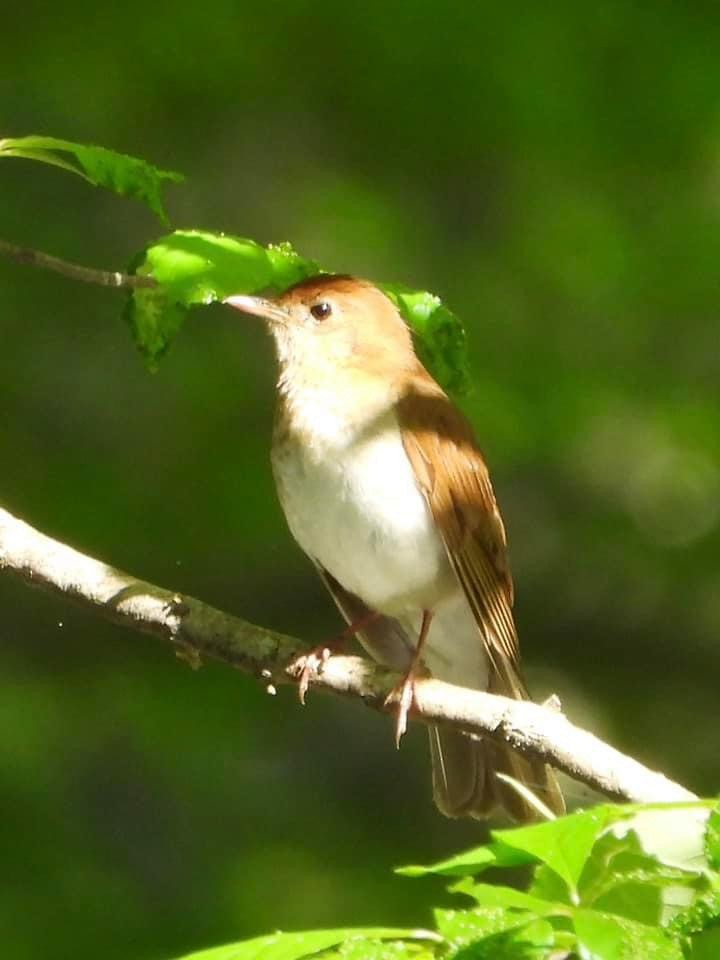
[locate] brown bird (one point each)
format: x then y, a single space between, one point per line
384 488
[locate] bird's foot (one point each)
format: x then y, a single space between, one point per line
310 665
402 698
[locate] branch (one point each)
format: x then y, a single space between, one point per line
196 629
105 278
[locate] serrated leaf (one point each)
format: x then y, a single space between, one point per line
491 895
380 950
702 914
563 844
194 267
602 936
154 321
294 946
538 933
288 267
494 934
673 833
620 877
470 862
462 927
547 885
712 839
440 337
123 174
706 945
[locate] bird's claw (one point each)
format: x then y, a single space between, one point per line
402 697
307 667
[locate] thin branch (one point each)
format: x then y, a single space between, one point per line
104 278
196 630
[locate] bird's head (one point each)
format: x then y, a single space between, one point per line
332 325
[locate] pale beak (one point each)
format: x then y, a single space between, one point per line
259 307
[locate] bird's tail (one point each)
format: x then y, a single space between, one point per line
466 782
465 770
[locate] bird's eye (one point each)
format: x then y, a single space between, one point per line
321 311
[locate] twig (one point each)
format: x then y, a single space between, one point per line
104 278
196 629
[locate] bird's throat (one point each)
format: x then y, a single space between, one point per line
332 414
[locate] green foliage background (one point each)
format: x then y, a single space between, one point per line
553 174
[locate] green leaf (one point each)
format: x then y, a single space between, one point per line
363 949
704 913
440 337
462 927
563 844
491 895
712 839
674 833
118 172
470 862
462 865
495 934
620 877
547 885
604 937
154 320
194 267
706 945
293 946
288 267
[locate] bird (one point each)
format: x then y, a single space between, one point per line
385 489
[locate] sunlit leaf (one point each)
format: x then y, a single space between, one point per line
712 839
674 833
702 914
602 936
440 337
620 877
462 927
470 862
194 267
293 946
706 945
492 895
369 949
563 844
495 934
154 321
118 172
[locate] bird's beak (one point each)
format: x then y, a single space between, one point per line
259 307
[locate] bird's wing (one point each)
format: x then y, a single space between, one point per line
452 475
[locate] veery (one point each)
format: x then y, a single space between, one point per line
384 488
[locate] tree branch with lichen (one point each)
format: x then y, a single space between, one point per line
196 630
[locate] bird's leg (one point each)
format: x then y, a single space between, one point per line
310 663
404 693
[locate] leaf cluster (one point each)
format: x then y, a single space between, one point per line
193 268
610 883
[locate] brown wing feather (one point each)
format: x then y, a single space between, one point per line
454 478
452 474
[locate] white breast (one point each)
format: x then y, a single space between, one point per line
352 503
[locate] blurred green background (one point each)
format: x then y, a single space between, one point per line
552 172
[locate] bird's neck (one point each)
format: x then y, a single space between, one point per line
330 414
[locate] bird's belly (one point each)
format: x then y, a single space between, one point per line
359 513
